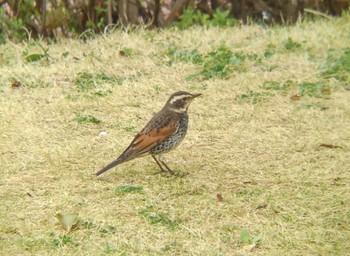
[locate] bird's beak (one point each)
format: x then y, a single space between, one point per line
195 95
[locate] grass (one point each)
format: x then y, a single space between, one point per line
260 182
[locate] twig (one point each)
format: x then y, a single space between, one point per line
318 13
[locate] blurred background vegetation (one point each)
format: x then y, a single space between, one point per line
23 19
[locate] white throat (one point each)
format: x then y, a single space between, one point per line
179 110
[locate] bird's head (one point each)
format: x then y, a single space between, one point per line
180 101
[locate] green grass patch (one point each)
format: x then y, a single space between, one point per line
128 189
87 81
87 119
246 238
107 230
36 56
153 217
219 63
269 53
63 240
88 225
175 54
290 44
191 17
253 97
315 90
127 52
103 230
338 67
276 86
102 93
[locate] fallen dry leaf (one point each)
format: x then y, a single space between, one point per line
295 97
67 220
122 53
219 198
262 206
16 84
326 91
249 247
329 146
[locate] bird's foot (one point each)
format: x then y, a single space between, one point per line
159 172
181 174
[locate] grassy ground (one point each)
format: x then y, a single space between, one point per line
267 151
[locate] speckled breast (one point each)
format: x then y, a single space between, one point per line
174 140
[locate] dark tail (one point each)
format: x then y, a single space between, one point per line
109 166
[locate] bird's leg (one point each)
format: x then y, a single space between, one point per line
169 170
160 160
160 166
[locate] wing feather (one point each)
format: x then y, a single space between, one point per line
152 135
147 139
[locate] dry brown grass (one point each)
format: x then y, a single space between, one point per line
263 157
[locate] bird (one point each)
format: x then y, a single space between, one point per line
163 133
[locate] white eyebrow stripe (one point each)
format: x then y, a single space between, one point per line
179 97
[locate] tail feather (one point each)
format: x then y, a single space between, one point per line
127 155
109 166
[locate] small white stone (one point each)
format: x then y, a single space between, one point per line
103 134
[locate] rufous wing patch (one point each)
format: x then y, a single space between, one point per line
145 141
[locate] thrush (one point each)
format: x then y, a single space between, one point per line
163 133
